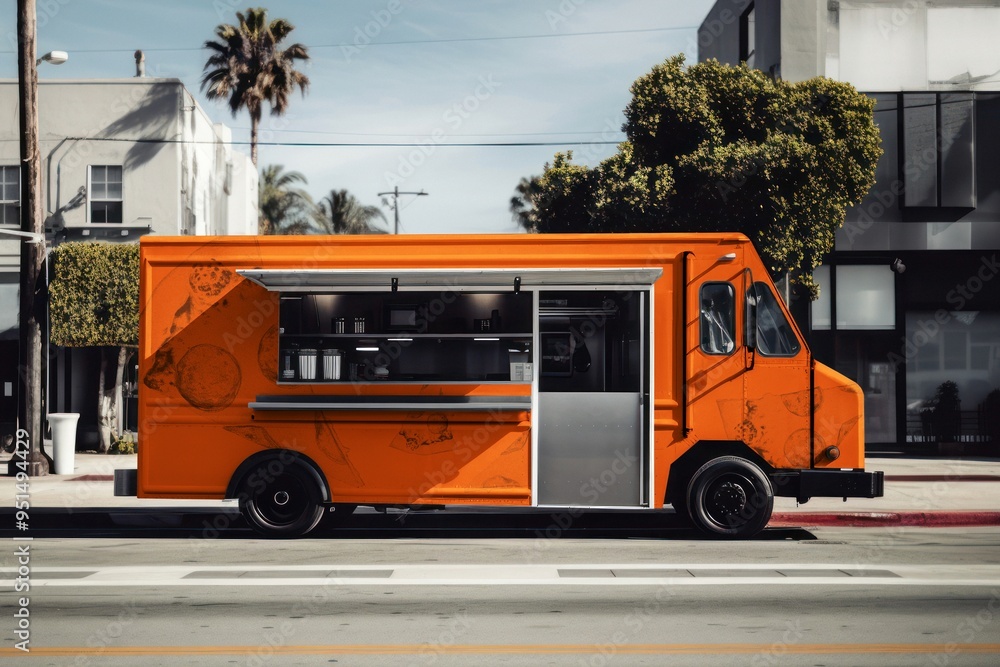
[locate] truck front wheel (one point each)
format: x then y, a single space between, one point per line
280 501
730 497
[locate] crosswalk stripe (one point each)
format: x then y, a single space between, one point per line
511 574
510 649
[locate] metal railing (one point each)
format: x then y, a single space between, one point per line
971 426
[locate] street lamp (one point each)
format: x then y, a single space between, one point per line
53 57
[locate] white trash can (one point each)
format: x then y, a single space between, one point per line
63 426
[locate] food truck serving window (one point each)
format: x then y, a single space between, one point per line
417 325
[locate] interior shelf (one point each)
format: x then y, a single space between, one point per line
424 337
403 335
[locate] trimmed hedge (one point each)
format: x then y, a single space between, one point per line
94 295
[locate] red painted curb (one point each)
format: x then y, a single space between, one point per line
940 519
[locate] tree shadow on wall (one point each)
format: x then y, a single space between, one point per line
149 123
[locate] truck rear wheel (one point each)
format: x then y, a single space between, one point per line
280 500
730 497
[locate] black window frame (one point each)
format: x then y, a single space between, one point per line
107 207
714 316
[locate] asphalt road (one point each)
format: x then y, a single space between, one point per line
831 596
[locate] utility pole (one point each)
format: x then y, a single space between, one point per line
395 202
29 405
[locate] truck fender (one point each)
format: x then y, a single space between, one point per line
698 455
279 457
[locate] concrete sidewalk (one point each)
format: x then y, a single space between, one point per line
918 491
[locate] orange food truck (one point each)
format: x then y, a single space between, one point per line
635 371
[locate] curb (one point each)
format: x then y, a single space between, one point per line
939 519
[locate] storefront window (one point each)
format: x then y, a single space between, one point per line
961 347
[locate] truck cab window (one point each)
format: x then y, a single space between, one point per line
718 318
775 336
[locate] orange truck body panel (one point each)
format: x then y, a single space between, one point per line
209 347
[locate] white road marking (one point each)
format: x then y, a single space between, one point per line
593 574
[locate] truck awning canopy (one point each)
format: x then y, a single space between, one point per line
347 280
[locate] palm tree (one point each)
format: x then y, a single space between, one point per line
283 207
522 204
247 67
341 213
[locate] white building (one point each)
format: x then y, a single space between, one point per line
933 69
120 158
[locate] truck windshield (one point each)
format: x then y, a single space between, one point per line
775 337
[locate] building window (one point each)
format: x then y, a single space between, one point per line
105 193
748 39
866 298
938 150
9 305
962 347
10 195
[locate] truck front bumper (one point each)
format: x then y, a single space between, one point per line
806 484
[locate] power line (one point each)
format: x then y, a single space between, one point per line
410 42
332 144
418 134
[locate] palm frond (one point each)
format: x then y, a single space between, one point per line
247 67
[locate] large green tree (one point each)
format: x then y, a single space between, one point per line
94 302
341 213
247 67
282 206
713 147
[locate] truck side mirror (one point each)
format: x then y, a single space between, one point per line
751 321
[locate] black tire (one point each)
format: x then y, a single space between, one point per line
730 497
280 499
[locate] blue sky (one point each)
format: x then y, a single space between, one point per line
423 72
